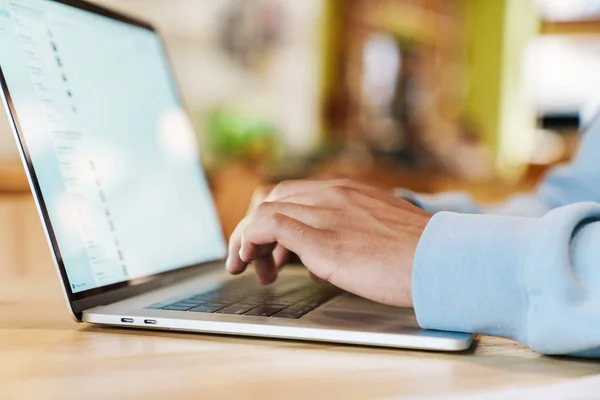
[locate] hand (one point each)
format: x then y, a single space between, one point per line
268 266
270 193
359 238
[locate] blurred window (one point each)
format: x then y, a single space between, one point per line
568 10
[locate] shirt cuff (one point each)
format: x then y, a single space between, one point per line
467 274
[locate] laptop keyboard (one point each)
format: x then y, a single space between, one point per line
290 297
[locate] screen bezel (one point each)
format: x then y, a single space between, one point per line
105 294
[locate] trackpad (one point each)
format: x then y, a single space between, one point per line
352 312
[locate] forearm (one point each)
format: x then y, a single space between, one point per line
534 280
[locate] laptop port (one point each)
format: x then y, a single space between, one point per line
150 321
127 320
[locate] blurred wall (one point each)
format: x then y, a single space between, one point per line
497 101
516 139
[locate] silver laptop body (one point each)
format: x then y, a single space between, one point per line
124 202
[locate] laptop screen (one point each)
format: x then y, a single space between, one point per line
112 150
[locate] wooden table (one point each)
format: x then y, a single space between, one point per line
44 354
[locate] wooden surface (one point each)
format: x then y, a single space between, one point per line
44 354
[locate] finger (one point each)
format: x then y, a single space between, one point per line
281 255
297 208
267 260
265 269
292 234
234 264
311 215
258 252
302 207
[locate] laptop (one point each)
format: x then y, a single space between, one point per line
113 164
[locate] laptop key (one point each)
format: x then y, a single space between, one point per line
290 313
299 309
264 311
277 305
218 303
201 298
217 306
235 310
187 303
175 307
206 309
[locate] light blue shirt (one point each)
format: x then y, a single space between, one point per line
528 269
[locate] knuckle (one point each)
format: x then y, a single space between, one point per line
278 221
280 190
347 182
276 190
258 196
341 192
264 208
237 232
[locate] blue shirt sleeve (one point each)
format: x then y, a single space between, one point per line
534 280
529 272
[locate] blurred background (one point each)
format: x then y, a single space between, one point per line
432 95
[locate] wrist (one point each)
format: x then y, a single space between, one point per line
421 223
